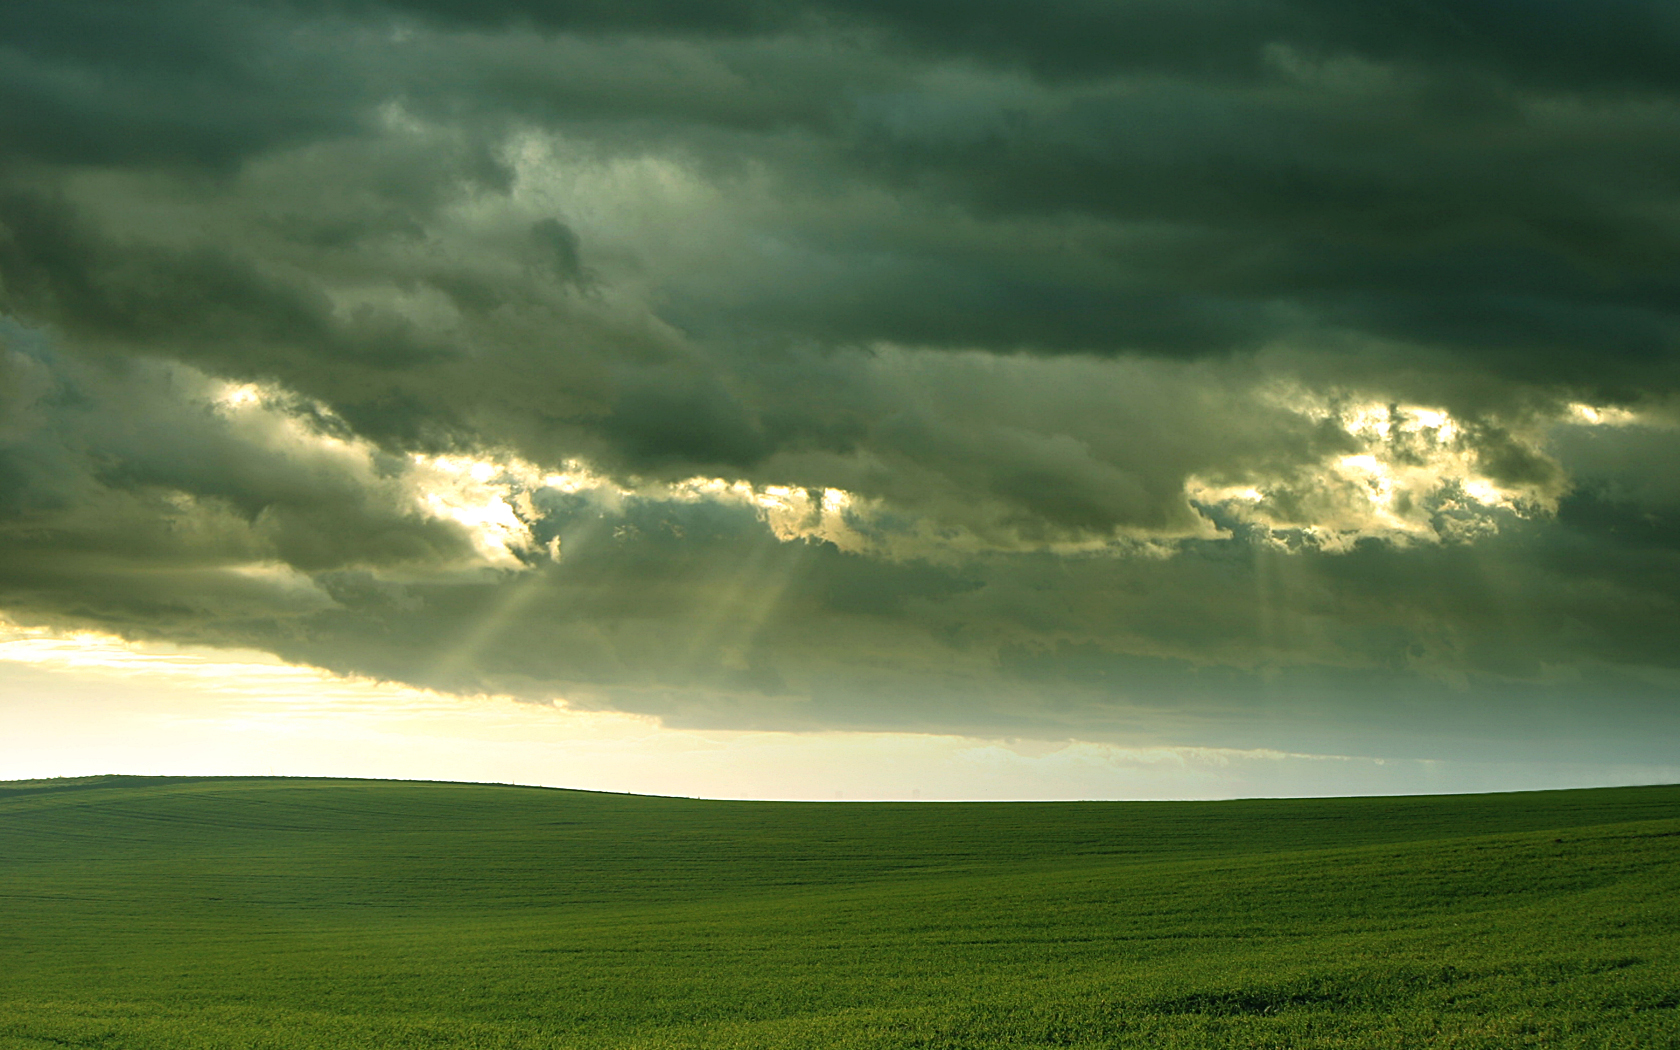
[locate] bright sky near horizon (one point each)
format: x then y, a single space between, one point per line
776 398
84 704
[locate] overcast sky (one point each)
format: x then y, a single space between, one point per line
1265 376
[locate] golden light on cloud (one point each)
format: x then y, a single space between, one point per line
484 497
1416 478
1602 415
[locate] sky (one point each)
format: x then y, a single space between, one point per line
843 399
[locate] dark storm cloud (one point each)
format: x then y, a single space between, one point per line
1200 369
1441 653
132 499
193 83
141 500
1623 42
1479 178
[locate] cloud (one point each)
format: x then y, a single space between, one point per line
1223 370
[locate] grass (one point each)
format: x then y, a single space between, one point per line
142 913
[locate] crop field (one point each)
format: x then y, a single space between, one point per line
179 914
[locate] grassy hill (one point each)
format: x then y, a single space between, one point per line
182 913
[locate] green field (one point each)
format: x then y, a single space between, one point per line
262 912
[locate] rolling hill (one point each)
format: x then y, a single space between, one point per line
181 913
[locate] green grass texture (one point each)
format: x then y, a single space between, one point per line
189 913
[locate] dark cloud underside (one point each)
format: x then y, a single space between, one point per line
1285 374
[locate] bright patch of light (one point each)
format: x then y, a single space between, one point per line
1370 420
479 495
1484 492
487 497
494 500
574 477
239 395
1415 477
1601 415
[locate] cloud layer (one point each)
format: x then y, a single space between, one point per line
1250 375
